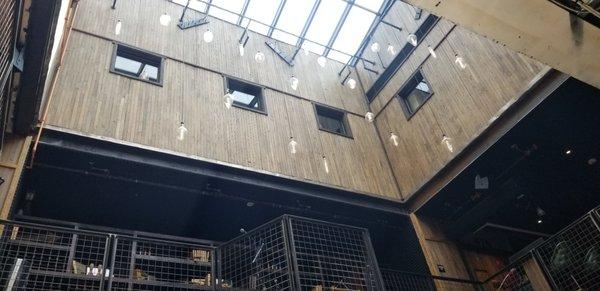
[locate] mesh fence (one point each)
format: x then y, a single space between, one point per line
572 257
40 258
332 257
146 264
257 260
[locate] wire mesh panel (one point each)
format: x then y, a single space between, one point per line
397 280
332 256
147 264
516 278
257 260
36 257
572 257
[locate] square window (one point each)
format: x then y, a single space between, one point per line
246 95
137 64
332 120
414 94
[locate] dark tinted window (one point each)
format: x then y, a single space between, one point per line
332 120
414 94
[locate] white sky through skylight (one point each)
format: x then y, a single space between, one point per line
294 16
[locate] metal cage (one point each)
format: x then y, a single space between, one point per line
571 258
36 257
294 253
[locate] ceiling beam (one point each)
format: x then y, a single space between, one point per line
338 27
243 12
276 18
307 24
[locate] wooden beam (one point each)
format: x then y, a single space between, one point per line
535 28
12 182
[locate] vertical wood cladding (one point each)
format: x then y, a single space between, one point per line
462 106
91 100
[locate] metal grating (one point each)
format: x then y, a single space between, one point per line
41 258
572 257
257 260
332 256
397 280
148 264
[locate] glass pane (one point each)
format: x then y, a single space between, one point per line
372 5
422 86
325 21
340 57
231 5
262 11
149 73
285 37
197 5
354 30
244 99
127 65
332 124
294 15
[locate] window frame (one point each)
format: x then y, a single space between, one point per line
404 92
142 54
320 107
262 108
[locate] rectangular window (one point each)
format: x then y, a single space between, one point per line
246 95
414 94
137 64
332 120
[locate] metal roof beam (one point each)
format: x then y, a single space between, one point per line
276 18
339 26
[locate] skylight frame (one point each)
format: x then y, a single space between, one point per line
301 38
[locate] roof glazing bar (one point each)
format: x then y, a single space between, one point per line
243 12
276 18
340 23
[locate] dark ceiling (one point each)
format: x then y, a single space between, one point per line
543 174
78 182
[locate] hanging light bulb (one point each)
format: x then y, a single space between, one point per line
370 116
181 131
241 49
431 52
412 39
259 57
118 27
394 139
165 19
448 143
460 62
292 145
322 61
228 100
391 49
375 47
208 36
325 165
294 83
351 83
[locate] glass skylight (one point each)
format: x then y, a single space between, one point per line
293 17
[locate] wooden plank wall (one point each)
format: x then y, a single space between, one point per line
12 161
91 100
462 106
438 250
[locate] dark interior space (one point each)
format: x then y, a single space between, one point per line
539 177
110 192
